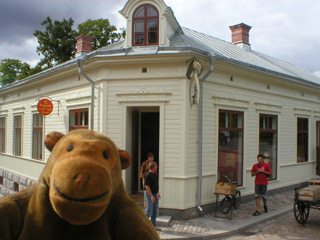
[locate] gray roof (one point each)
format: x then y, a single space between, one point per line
199 43
234 54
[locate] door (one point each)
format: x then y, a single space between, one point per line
144 139
149 137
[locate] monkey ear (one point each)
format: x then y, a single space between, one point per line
125 158
51 139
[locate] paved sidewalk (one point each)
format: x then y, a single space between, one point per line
208 226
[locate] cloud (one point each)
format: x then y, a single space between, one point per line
27 47
284 29
20 18
317 73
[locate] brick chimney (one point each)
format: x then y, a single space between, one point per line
240 35
84 44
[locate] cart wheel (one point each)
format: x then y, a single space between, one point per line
301 212
237 201
226 205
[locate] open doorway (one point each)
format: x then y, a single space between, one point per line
145 139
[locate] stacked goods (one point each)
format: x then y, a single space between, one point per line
312 192
314 183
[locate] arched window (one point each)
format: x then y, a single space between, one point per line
145 26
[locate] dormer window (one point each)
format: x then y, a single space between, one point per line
145 26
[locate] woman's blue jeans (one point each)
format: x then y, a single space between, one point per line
152 208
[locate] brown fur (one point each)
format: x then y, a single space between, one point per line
79 195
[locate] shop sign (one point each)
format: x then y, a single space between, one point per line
45 106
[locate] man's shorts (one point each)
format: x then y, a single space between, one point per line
261 191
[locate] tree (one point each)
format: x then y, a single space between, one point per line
9 70
103 33
57 42
12 70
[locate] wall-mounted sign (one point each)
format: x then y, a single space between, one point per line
45 106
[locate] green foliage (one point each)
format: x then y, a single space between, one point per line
9 70
103 33
57 43
12 70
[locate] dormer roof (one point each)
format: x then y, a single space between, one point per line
168 24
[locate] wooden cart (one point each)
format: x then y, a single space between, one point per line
305 199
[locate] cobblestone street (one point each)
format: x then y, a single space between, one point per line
283 226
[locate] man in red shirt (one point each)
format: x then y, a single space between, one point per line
262 171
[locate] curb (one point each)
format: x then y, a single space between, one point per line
234 229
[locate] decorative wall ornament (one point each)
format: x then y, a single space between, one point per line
144 94
194 71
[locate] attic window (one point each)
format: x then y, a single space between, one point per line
145 26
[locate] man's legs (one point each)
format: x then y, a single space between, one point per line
264 194
257 194
154 211
258 204
149 204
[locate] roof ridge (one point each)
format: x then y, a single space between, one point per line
207 35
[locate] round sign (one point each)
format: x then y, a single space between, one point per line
45 106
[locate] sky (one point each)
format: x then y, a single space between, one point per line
285 29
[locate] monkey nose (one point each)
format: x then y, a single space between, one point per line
81 178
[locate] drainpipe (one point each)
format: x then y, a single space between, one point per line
212 60
80 64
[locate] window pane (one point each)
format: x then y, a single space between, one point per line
139 38
302 140
152 12
86 118
230 156
140 12
37 137
83 118
139 27
224 119
73 118
230 159
152 25
40 121
35 120
152 37
301 150
305 124
236 120
17 136
268 141
17 142
273 122
268 148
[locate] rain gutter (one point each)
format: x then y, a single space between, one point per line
80 64
212 60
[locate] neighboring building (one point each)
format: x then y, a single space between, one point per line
250 103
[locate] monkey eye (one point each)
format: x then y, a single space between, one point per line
70 148
105 155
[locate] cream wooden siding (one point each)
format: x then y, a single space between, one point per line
71 93
172 111
251 94
165 87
